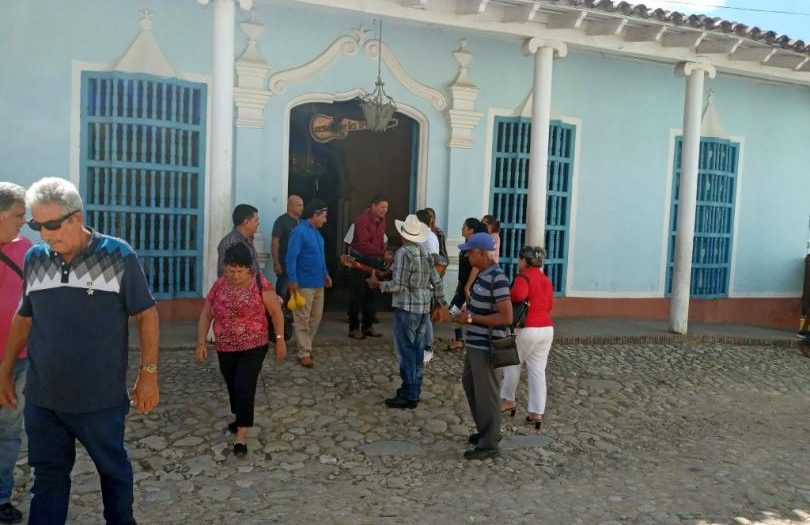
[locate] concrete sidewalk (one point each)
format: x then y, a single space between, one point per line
573 330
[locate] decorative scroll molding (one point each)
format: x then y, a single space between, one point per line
531 45
434 96
344 46
462 117
252 69
687 68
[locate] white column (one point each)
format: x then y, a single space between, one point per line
687 192
221 143
543 52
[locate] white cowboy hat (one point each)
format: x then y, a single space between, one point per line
412 228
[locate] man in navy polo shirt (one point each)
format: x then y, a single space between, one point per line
79 289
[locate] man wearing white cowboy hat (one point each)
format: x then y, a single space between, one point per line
414 283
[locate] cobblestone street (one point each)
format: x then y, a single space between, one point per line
680 433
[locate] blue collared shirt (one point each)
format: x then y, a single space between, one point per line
306 262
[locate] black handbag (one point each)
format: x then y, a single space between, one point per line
503 350
285 312
521 309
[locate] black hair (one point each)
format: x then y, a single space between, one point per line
313 206
475 225
378 198
423 216
243 212
238 255
533 255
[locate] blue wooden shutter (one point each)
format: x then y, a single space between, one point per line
714 217
510 174
143 168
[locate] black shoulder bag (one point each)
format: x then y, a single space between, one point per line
11 264
285 312
502 351
521 310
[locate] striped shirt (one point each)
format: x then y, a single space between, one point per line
413 275
482 302
235 237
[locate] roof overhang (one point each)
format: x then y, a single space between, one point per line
662 39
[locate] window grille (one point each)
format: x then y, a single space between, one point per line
510 173
714 216
143 168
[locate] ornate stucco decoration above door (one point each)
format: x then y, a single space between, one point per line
252 69
462 117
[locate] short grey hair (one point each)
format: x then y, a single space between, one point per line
54 190
11 194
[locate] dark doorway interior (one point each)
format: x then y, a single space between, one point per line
332 157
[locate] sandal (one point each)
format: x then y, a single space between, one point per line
456 345
537 420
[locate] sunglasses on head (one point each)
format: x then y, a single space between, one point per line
52 225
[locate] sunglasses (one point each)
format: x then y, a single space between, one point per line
52 225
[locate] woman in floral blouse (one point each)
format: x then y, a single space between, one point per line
237 309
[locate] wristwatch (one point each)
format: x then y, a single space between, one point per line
150 367
469 318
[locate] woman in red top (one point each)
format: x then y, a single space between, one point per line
240 325
534 340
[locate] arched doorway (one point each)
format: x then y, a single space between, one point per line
333 157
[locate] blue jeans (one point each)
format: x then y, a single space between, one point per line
409 343
52 451
10 432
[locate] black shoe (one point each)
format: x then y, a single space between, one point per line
239 450
481 453
232 427
9 514
473 439
398 402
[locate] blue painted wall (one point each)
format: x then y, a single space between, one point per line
627 109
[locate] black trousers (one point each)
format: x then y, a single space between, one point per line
362 300
241 372
481 388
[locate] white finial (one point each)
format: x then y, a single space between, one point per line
146 19
360 33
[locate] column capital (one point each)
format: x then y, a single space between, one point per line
245 5
531 45
685 69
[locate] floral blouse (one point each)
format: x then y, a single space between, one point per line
239 316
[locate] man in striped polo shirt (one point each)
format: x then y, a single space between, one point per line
489 307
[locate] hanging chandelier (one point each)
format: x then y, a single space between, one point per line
378 106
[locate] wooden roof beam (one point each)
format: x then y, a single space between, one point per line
691 39
572 20
644 34
755 54
719 47
784 60
610 27
522 13
472 7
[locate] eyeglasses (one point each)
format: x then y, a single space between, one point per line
52 225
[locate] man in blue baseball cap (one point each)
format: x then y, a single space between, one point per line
489 307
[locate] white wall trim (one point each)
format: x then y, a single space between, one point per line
345 45
77 67
327 98
662 278
437 99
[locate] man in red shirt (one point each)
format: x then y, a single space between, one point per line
367 247
12 255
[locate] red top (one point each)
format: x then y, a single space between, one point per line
369 232
540 293
11 286
239 316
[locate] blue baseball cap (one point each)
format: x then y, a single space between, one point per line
479 241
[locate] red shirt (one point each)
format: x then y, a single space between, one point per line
239 316
540 293
11 286
369 232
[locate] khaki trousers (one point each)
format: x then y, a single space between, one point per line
307 319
